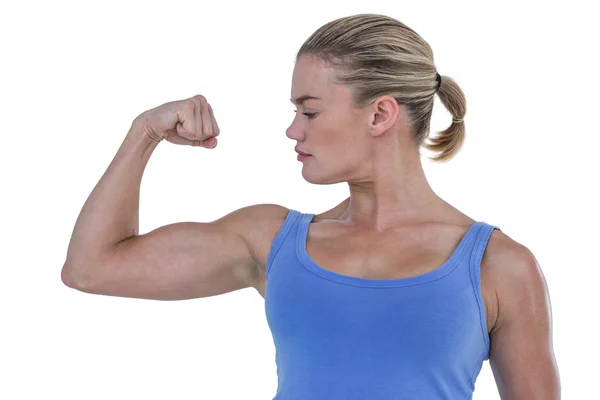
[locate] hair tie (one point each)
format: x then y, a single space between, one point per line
438 78
457 120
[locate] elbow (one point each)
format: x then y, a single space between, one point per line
66 275
72 277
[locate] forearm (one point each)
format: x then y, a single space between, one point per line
111 212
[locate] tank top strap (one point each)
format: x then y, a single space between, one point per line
480 241
290 221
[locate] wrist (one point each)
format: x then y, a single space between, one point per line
138 142
142 133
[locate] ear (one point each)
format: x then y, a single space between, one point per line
384 112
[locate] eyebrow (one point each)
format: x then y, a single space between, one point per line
302 99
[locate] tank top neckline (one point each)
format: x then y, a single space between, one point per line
441 271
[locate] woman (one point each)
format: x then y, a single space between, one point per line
392 294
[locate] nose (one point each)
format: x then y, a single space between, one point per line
294 131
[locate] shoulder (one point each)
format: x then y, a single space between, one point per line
512 275
503 253
258 212
251 222
258 225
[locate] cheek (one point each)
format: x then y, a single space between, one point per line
337 136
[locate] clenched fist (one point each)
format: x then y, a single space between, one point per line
186 122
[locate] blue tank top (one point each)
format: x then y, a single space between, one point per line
343 337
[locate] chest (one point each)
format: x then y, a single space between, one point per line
394 255
383 257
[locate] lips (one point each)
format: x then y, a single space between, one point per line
302 153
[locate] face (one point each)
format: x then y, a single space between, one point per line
330 128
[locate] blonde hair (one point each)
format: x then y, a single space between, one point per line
376 55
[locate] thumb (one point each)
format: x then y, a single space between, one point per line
210 143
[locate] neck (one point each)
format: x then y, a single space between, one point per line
396 195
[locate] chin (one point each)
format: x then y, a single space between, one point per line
318 179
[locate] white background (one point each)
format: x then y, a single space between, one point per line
75 74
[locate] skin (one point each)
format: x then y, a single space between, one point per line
372 150
393 225
369 148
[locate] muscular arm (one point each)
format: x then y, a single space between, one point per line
521 355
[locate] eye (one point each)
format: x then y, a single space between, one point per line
309 115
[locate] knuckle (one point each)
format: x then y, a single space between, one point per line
189 104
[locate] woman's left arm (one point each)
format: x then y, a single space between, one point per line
521 350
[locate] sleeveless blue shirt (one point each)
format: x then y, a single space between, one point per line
342 337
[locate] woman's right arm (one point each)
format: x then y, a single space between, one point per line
178 261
